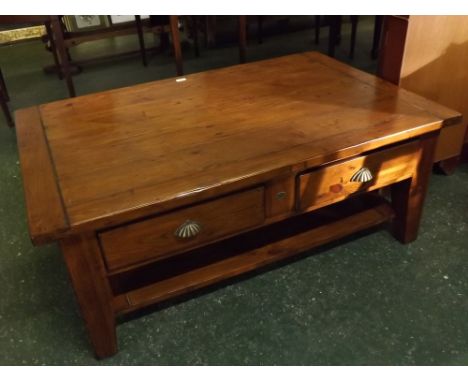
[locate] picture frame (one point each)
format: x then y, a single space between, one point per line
78 23
119 19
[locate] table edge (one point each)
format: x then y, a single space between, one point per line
47 218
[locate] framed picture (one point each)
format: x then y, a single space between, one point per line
118 19
77 23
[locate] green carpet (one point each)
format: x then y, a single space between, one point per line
366 301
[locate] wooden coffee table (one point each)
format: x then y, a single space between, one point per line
163 188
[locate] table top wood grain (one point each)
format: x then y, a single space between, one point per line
128 153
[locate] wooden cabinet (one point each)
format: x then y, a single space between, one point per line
428 55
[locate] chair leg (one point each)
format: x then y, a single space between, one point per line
210 31
333 37
338 30
174 22
141 39
354 24
62 53
195 35
260 29
317 29
163 41
6 111
242 38
3 88
378 24
206 31
4 98
53 49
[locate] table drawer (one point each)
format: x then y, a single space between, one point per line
183 229
335 182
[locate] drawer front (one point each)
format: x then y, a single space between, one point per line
183 229
336 182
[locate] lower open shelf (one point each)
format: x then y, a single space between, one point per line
235 256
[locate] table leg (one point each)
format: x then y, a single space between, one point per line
378 23
317 29
141 39
210 31
334 34
408 196
3 87
6 112
4 98
354 24
195 21
174 21
449 165
86 268
242 38
260 29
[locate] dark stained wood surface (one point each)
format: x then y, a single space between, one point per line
131 152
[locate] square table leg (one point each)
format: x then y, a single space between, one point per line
408 196
87 272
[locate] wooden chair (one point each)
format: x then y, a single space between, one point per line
170 24
141 39
334 23
174 24
242 38
75 38
209 26
334 37
378 26
59 57
4 98
52 24
58 41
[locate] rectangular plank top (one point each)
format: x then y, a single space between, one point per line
130 152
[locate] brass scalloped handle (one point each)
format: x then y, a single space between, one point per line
188 229
363 175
